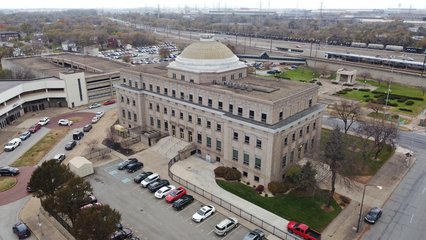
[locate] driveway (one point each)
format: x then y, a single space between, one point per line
20 189
79 119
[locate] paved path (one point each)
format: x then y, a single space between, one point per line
20 189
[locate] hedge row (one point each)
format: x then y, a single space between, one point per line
397 96
227 173
277 187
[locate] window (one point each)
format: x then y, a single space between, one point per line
200 100
158 123
218 127
129 115
223 79
246 159
199 140
166 91
181 115
232 77
310 103
234 154
240 111
284 161
301 133
209 124
174 75
134 103
217 159
293 137
240 75
173 93
245 174
143 85
256 178
218 145
209 142
135 117
173 130
259 143
150 87
151 121
191 80
312 143
210 102
314 126
263 118
292 156
173 113
190 118
158 108
251 114
258 163
166 126
136 84
128 101
130 83
281 115
285 141
124 80
182 77
165 110
182 133
220 105
247 139
191 97
231 108
199 121
150 106
158 89
182 95
122 99
123 113
236 136
189 136
307 129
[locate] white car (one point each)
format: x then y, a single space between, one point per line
151 178
203 213
94 105
100 114
95 119
12 144
44 121
65 122
162 192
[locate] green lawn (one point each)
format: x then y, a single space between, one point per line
354 164
300 73
291 207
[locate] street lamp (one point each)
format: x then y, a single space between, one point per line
362 202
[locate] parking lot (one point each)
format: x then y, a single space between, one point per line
149 217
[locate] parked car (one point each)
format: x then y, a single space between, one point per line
183 202
59 157
8 171
64 122
95 119
12 144
256 234
44 121
21 230
77 135
123 165
87 128
88 200
34 128
225 226
203 213
154 186
303 230
141 176
162 192
90 205
373 215
25 135
133 167
70 145
94 105
175 194
151 178
100 114
273 71
30 189
109 102
122 234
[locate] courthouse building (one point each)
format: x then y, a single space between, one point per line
259 126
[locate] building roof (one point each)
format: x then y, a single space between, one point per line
207 49
7 84
78 162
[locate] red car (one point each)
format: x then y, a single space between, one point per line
175 194
303 231
109 102
34 128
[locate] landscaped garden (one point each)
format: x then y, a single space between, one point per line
300 73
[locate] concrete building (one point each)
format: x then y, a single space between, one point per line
259 126
345 76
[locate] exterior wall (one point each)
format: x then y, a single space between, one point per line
101 86
207 78
75 86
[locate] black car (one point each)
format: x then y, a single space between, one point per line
77 135
21 230
8 171
153 187
122 234
89 199
256 234
373 215
183 201
30 189
87 128
123 165
70 145
141 176
133 167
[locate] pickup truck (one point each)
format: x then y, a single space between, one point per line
303 231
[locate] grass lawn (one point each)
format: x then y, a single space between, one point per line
355 165
291 207
41 148
300 73
7 183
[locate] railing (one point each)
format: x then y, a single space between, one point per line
230 207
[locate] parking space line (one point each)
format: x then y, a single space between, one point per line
125 180
201 223
210 231
232 231
180 211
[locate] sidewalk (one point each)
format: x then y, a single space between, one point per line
389 177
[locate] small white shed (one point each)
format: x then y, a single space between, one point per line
81 167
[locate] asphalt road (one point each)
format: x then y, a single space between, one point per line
149 217
9 215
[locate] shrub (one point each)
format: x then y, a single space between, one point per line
409 103
405 109
364 89
248 183
277 187
319 83
392 104
402 99
260 188
347 89
378 95
227 173
366 96
220 171
335 83
395 116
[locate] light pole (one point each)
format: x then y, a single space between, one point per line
362 202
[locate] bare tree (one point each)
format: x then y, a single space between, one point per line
348 112
93 146
380 131
376 107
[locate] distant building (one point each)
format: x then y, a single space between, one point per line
69 46
6 36
346 76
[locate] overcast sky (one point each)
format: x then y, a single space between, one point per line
306 4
